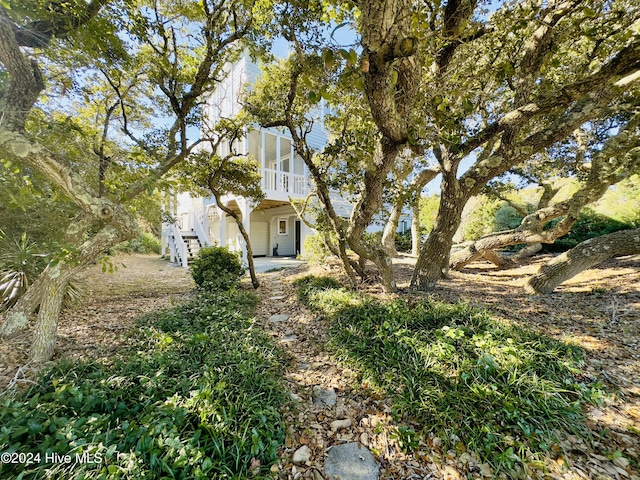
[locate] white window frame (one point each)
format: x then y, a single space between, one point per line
286 226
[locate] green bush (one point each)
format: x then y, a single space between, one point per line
589 225
216 268
144 243
315 249
505 392
197 395
403 241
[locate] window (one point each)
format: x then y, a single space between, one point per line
255 145
271 160
282 226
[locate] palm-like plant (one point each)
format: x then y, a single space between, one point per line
20 263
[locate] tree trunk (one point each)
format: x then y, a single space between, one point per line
252 269
245 235
433 262
416 237
390 228
583 256
528 251
44 333
497 259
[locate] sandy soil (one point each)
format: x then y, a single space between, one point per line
111 303
599 310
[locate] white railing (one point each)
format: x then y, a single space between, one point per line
284 182
269 179
300 184
198 227
177 246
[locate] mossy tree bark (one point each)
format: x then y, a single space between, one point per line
581 257
614 162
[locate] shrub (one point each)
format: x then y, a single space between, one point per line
197 395
216 268
315 249
144 243
403 241
589 225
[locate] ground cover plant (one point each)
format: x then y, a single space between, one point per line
197 395
497 390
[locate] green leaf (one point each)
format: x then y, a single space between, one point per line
394 77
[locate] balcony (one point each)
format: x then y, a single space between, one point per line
284 182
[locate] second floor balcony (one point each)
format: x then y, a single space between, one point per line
283 171
284 182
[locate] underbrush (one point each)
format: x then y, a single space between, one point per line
144 243
198 395
504 392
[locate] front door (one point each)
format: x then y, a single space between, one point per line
297 238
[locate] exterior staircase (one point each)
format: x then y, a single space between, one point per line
193 244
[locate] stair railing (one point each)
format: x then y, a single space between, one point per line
198 227
177 246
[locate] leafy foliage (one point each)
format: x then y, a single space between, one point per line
30 205
402 240
308 287
589 225
315 249
20 263
503 391
143 243
197 395
428 212
216 268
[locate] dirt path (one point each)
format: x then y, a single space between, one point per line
599 310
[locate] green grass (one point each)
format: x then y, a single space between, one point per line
502 391
198 395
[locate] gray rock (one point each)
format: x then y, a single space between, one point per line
340 424
302 455
290 338
277 297
326 398
278 318
351 462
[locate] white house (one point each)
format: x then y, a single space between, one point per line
273 225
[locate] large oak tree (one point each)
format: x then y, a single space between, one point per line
145 68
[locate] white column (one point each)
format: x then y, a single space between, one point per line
304 233
223 228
